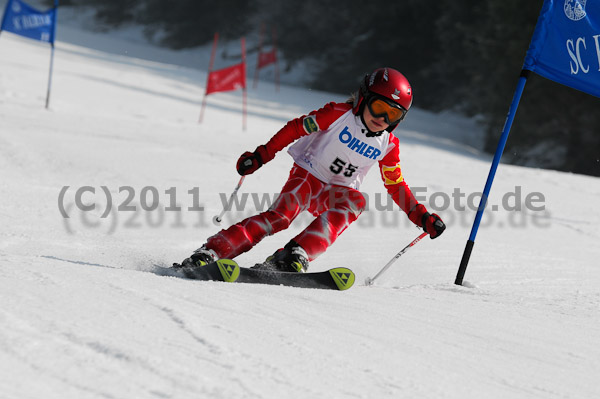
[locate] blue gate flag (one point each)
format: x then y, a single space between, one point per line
565 46
22 19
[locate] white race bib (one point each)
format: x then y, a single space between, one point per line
341 154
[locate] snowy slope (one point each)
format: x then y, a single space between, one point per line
85 315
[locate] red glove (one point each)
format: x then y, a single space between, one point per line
249 162
431 223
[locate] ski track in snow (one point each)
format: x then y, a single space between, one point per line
90 312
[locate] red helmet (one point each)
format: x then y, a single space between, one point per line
387 84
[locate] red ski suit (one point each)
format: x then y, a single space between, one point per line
332 155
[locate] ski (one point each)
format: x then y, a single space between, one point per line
227 270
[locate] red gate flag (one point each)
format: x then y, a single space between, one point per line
265 59
227 79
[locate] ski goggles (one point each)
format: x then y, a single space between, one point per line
392 112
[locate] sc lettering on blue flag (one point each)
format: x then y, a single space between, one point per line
578 51
23 20
566 44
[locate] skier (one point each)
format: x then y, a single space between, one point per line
335 148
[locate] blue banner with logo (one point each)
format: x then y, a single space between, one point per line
565 46
22 19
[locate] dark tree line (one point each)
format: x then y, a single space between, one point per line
461 55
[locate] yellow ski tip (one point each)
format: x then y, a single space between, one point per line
343 278
229 270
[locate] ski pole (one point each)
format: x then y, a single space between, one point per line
369 280
217 219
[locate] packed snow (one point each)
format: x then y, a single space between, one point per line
86 312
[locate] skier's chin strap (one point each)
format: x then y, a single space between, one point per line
369 132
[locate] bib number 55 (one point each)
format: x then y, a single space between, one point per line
338 166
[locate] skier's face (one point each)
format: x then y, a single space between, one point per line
374 124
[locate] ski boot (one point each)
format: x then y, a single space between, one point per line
201 257
291 258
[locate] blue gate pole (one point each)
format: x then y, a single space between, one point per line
488 185
50 75
53 37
